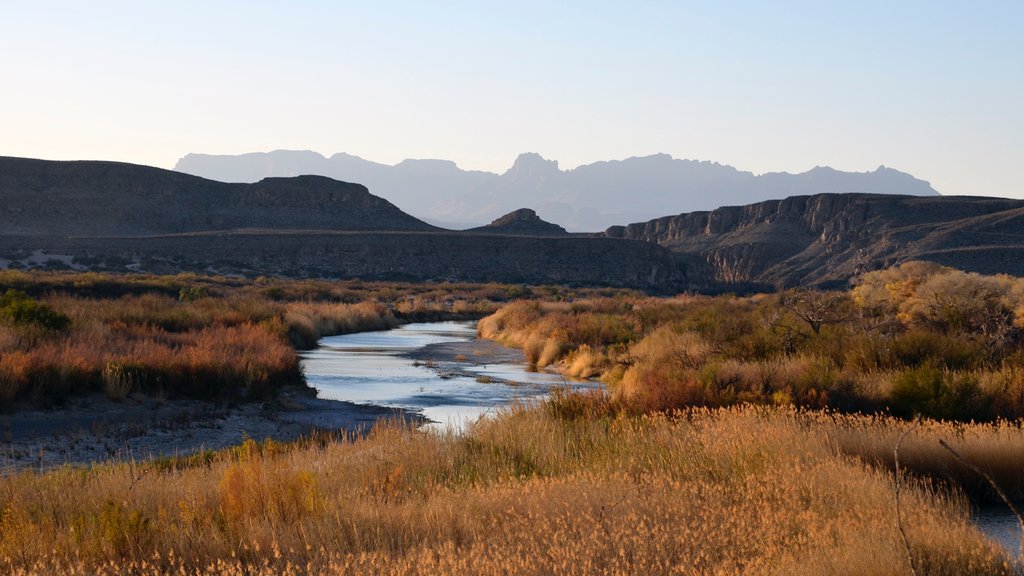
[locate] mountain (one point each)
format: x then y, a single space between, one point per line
521 222
826 239
588 198
122 217
109 198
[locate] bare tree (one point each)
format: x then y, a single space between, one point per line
817 308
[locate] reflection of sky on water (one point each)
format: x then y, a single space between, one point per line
366 368
1000 524
408 337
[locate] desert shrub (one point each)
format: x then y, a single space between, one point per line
19 309
936 393
847 350
256 486
596 330
664 370
918 347
587 362
576 488
867 352
123 530
119 380
192 292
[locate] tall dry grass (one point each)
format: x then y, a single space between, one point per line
198 336
309 321
726 491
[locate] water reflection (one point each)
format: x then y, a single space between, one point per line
370 368
999 524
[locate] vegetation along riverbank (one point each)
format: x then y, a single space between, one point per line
749 435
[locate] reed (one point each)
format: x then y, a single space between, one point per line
735 490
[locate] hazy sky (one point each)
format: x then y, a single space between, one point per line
934 88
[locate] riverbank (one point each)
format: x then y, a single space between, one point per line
95 429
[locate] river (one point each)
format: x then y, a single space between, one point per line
397 368
999 524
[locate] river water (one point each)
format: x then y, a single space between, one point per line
999 524
375 368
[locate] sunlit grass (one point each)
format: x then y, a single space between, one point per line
535 491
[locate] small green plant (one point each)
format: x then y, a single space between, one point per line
192 293
122 528
21 310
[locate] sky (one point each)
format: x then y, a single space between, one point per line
934 88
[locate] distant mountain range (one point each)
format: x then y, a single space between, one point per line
585 199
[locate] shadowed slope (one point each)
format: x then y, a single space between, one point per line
110 198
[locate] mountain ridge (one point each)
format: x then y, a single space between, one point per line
123 217
86 198
827 239
586 198
119 217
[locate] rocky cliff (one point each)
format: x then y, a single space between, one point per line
825 239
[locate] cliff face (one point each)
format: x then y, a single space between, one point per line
826 239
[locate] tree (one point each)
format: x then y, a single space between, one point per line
817 308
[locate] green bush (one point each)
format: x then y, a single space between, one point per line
21 310
936 393
917 348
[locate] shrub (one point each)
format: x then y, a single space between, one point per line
21 310
936 393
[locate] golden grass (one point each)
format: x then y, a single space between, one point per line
742 490
203 336
853 351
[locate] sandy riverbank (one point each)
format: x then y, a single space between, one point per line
95 429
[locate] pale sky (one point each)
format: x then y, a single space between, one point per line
934 88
